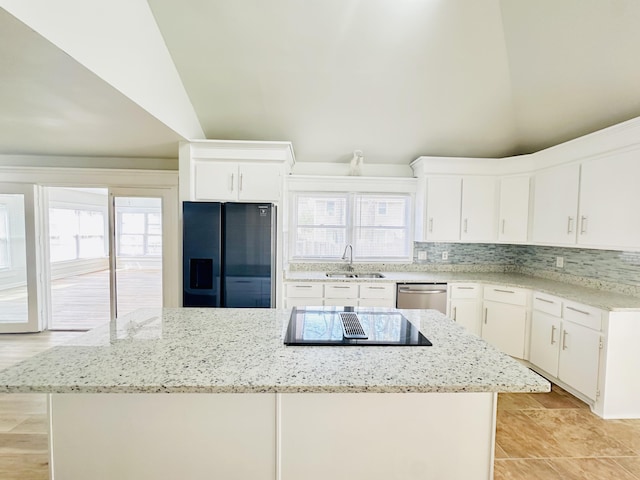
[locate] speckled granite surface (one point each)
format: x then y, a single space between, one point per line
242 351
590 296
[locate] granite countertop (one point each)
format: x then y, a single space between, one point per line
589 296
242 351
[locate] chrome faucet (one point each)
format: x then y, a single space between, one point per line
344 256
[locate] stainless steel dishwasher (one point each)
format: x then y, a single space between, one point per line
422 295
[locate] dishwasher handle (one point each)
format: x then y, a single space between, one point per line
421 292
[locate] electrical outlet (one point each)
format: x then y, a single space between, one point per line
560 262
445 255
422 255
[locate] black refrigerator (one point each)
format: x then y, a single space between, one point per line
228 254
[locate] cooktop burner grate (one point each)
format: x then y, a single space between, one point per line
351 326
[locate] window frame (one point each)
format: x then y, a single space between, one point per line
352 228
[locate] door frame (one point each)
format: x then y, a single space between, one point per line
169 199
36 301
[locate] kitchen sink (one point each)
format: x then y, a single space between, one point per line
369 275
354 275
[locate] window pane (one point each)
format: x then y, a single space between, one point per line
63 231
132 223
154 223
381 211
131 245
4 237
320 210
154 245
381 242
319 242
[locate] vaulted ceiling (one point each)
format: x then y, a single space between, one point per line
394 78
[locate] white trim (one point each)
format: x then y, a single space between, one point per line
320 183
245 150
89 177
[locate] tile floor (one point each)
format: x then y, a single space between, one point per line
549 436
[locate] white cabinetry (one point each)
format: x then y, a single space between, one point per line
478 218
460 209
340 294
237 181
609 197
555 205
513 223
443 208
225 170
465 306
505 319
566 341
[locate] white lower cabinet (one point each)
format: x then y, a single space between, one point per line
340 294
504 320
465 307
566 343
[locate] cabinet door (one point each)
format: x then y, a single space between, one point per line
215 180
478 209
468 314
258 183
579 358
609 197
504 327
555 206
443 208
545 342
514 209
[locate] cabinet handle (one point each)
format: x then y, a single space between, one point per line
240 183
464 288
503 222
503 291
335 286
302 286
564 339
545 300
466 223
569 224
577 310
485 314
583 225
374 288
232 182
454 313
553 334
431 225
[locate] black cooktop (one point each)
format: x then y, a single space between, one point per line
324 326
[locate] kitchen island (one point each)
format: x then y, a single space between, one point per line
243 405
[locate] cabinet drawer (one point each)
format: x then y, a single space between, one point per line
340 290
304 290
583 315
377 291
510 295
461 290
547 304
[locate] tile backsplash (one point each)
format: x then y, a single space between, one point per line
606 269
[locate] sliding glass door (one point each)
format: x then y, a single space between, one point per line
19 287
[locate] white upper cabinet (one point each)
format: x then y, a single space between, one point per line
237 182
478 219
443 209
609 201
555 207
460 209
219 170
513 221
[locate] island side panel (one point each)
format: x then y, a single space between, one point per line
163 437
409 436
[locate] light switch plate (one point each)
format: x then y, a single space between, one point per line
560 262
445 255
422 255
